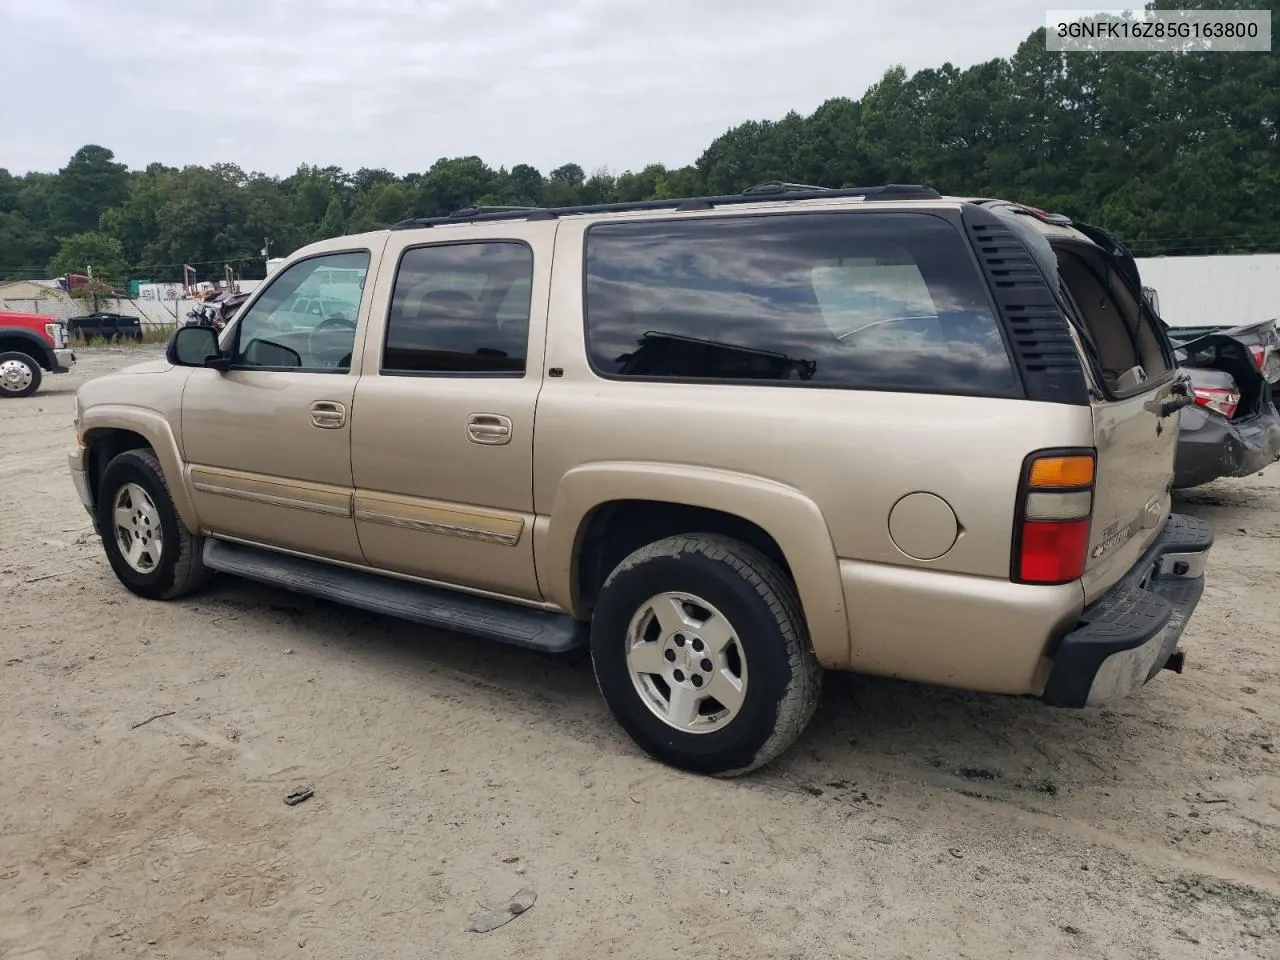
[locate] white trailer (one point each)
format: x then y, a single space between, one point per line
1228 290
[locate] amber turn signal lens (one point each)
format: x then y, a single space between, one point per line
1061 472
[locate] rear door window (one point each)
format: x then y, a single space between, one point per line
853 300
460 309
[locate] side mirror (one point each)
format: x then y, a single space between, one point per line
196 347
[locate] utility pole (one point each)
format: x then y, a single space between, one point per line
92 289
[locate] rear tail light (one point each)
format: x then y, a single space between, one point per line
1054 510
1218 399
1259 354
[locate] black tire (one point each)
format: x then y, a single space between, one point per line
783 677
33 372
180 569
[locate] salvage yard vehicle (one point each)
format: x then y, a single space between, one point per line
1261 340
108 326
723 442
31 345
1260 337
1234 428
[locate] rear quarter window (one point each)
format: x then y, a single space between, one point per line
845 300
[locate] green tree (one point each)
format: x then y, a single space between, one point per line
20 248
96 251
525 185
600 187
136 222
452 184
201 219
365 179
90 183
331 224
267 215
10 186
310 190
564 186
381 206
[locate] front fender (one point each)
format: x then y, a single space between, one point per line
155 429
792 519
31 343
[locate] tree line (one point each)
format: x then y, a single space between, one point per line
1173 153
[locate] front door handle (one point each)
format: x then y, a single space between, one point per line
489 428
328 415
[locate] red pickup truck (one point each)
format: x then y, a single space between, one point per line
31 345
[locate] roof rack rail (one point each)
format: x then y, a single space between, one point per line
792 193
782 186
473 210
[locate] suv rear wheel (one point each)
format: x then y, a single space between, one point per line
702 654
149 548
19 374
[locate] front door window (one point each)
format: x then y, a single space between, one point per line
306 319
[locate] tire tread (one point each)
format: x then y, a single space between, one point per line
189 572
800 700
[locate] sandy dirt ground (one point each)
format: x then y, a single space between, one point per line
450 773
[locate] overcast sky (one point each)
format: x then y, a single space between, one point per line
269 84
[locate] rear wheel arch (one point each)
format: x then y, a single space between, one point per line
615 529
778 520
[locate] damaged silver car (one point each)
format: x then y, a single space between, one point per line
1233 429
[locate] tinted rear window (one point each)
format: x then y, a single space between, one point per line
878 301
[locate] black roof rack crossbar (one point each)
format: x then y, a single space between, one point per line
777 191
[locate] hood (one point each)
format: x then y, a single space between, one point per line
159 365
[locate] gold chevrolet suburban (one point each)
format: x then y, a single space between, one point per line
724 442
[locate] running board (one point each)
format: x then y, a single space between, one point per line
433 606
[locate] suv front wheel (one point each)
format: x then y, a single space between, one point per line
701 652
147 545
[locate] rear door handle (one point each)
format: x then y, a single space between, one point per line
491 429
328 415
